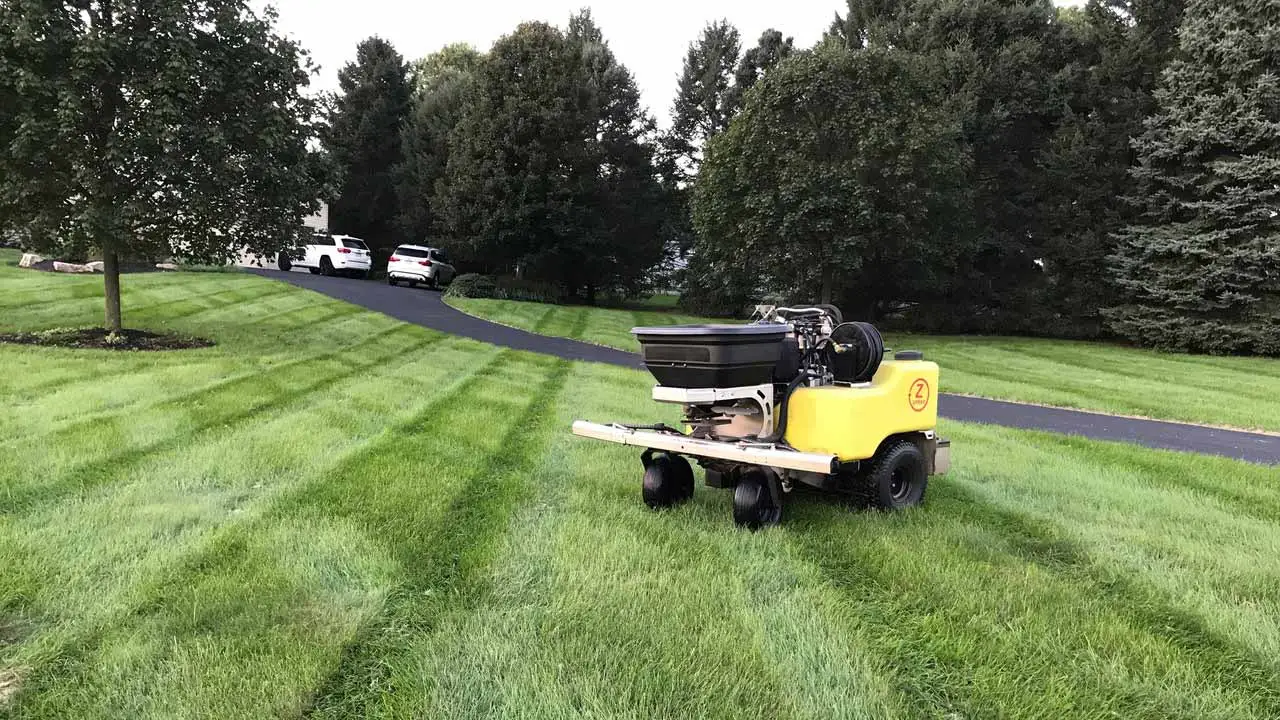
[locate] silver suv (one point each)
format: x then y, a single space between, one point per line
416 264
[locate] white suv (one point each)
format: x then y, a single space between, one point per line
419 264
328 255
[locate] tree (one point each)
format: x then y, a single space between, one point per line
364 141
1118 49
153 129
839 179
999 61
1201 269
772 49
441 81
550 169
704 102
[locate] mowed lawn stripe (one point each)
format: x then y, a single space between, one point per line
589 587
70 656
171 384
111 446
149 385
442 539
962 605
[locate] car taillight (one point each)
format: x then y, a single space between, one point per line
345 251
393 258
424 263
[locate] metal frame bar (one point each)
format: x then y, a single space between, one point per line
763 455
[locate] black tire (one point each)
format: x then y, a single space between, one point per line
284 263
898 477
391 281
326 267
667 481
753 503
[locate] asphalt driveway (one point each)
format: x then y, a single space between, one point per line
427 308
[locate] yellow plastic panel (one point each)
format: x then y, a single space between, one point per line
851 422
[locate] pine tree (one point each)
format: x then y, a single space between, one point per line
364 141
704 101
441 81
1201 271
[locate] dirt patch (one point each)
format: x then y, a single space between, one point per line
100 339
10 683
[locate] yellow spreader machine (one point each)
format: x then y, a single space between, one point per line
796 397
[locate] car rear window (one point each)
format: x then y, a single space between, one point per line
439 255
354 243
411 252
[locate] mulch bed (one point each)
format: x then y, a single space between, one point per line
98 338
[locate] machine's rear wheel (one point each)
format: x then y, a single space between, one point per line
898 477
667 481
754 506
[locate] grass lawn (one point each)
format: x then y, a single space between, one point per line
1231 391
337 515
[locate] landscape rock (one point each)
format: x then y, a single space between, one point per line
96 266
29 260
166 266
71 268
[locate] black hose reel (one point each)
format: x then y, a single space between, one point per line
855 352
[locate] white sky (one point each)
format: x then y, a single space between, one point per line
650 37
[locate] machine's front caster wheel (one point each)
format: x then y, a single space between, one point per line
898 477
754 502
667 481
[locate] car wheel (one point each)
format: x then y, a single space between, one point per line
392 281
326 267
284 263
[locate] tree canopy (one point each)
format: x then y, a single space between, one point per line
364 141
837 180
1200 268
157 129
550 170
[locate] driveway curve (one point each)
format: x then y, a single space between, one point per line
428 309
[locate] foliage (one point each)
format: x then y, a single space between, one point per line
1201 268
152 130
550 171
841 176
472 285
364 141
441 81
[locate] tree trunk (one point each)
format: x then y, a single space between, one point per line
111 287
828 280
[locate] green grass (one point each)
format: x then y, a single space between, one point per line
1110 378
332 514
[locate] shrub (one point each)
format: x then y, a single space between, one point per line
473 285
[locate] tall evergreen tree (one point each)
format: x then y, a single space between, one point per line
1117 51
364 142
550 169
704 101
772 49
440 81
1201 271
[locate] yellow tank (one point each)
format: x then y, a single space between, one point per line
851 422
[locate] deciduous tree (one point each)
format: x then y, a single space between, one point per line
150 129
